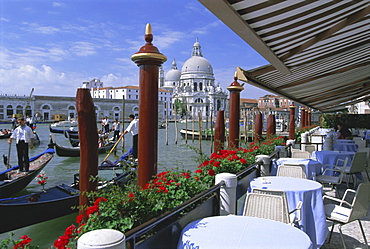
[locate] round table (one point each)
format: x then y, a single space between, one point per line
312 166
330 157
235 231
340 146
313 220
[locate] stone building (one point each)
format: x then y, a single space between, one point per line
194 86
45 108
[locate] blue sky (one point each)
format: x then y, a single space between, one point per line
53 46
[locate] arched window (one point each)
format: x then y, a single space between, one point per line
9 110
195 87
200 86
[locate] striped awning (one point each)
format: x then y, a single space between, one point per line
319 50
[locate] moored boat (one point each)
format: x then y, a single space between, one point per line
52 203
190 134
12 181
69 151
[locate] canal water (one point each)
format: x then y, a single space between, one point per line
175 154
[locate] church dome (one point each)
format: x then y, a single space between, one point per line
173 74
197 63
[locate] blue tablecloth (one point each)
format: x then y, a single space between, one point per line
312 166
330 157
241 232
344 141
313 221
340 146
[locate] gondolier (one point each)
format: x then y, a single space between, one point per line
133 127
25 137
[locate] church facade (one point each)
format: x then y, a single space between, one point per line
194 87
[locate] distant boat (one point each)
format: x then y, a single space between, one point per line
52 203
62 130
162 126
12 181
64 124
190 134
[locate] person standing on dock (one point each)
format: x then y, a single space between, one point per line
24 136
133 127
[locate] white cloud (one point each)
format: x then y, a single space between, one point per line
58 4
3 19
83 48
45 80
36 28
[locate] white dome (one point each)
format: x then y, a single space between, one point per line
173 75
197 64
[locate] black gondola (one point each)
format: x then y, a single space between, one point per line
69 151
12 181
49 204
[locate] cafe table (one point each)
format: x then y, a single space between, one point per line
313 220
235 231
340 146
313 167
330 157
344 141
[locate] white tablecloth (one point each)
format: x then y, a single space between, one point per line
312 166
313 221
340 146
241 232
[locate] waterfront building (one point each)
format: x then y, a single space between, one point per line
46 108
130 93
194 89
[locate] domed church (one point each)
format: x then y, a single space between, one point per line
194 85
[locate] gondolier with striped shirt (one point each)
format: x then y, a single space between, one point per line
24 136
133 127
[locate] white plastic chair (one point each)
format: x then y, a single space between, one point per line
367 150
301 154
344 212
292 170
270 204
337 173
310 148
357 166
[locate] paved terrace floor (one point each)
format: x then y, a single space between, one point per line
351 232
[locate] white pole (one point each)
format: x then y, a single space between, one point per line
102 239
227 193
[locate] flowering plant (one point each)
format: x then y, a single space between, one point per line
41 179
122 210
23 242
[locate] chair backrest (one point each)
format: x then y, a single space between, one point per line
301 154
361 202
367 150
266 206
310 148
292 170
359 162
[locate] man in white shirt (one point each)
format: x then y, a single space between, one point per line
23 134
116 127
133 127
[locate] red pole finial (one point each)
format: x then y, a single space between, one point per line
148 58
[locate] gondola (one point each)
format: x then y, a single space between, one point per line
71 134
12 181
52 203
190 134
3 136
62 130
69 151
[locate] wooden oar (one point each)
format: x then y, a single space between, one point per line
8 159
114 146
